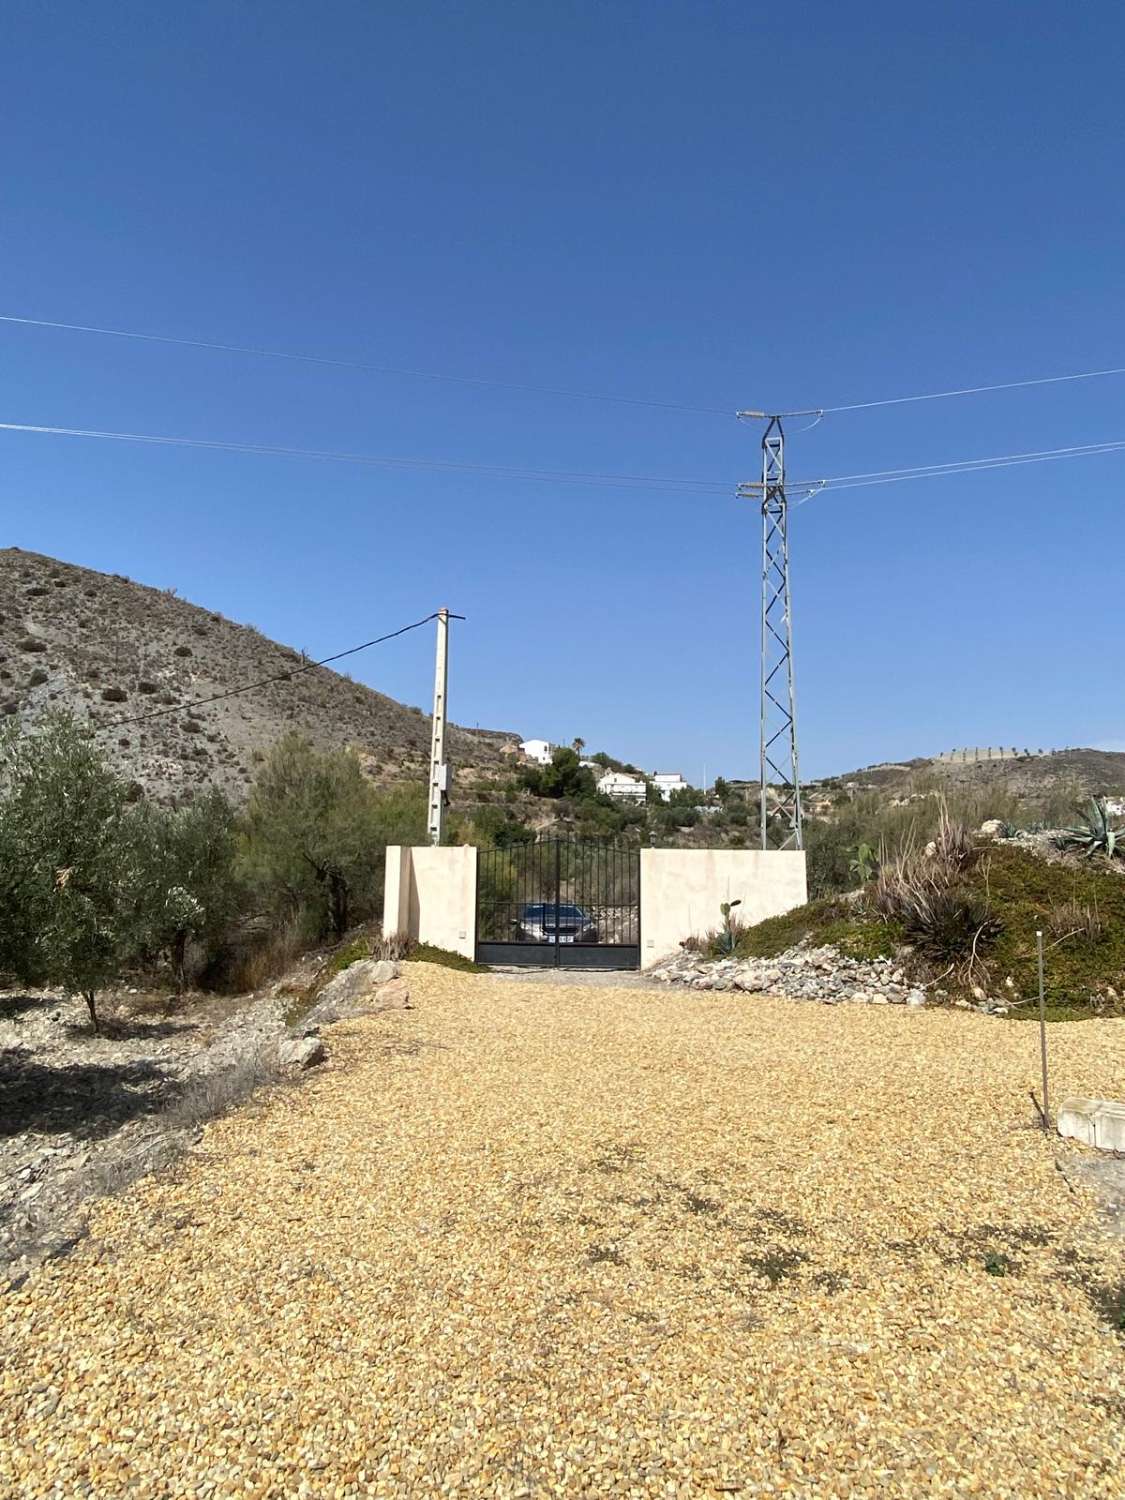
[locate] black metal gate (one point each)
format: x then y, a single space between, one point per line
559 902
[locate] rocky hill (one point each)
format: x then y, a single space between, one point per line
113 650
1069 773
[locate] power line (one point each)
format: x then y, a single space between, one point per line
972 390
363 365
179 708
957 466
496 471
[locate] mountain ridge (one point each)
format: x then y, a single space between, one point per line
109 649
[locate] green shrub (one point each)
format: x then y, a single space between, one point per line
928 894
426 953
315 832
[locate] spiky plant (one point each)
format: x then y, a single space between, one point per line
728 937
1095 835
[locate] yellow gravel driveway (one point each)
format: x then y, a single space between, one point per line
532 1240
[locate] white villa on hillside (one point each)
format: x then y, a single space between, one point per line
667 782
539 751
621 785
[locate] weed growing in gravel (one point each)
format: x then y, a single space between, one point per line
615 1157
775 1264
696 1204
605 1254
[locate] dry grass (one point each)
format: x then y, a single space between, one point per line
264 957
525 1240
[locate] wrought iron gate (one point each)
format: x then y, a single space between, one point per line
559 902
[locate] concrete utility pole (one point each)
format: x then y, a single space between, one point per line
439 770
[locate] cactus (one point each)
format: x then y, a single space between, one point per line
729 936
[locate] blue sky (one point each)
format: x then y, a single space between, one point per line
709 204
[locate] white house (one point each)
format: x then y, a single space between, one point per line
621 785
667 782
539 751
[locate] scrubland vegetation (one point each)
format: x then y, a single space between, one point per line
96 882
962 911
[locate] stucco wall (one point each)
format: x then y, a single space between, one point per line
431 895
681 890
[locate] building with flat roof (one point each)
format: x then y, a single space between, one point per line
621 785
667 782
539 751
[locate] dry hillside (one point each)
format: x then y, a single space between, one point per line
1083 772
111 649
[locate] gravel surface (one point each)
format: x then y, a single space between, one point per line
524 1240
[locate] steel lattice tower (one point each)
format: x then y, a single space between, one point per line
780 785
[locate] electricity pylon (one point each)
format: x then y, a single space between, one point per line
779 775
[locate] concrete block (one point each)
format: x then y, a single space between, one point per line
1094 1122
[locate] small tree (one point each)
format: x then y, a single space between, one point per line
192 892
72 862
315 833
565 777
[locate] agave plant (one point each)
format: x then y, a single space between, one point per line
1096 834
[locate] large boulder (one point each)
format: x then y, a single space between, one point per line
370 984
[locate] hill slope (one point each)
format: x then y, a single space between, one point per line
110 649
1072 773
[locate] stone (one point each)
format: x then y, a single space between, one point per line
301 1052
1094 1122
353 990
805 972
916 998
992 828
395 995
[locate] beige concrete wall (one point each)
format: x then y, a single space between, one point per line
681 890
431 895
396 892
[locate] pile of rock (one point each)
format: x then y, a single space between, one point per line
801 973
361 989
369 985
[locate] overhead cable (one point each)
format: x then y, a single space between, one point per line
362 365
958 466
441 465
247 687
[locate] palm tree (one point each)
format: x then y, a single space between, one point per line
579 744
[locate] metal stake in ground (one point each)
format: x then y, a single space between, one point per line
1046 1110
439 770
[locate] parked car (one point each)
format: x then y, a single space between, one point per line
546 922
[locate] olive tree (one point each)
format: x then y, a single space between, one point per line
72 868
191 890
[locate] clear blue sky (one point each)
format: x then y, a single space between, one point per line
715 204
